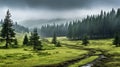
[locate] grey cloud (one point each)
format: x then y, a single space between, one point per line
57 4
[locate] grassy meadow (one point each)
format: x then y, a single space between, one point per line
72 53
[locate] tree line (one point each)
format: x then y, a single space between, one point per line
104 25
48 30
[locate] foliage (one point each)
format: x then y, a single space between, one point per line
25 41
7 31
54 40
85 40
48 30
15 42
34 40
99 26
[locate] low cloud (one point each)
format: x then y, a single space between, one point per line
25 11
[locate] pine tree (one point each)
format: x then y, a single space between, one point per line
69 34
25 41
116 40
118 13
7 31
15 42
54 40
85 40
34 40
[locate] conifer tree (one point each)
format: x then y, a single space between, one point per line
69 34
15 42
118 13
25 41
7 31
54 40
34 40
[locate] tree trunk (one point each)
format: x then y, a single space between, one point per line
7 42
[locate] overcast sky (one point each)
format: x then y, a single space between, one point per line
23 10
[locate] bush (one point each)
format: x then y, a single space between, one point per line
85 40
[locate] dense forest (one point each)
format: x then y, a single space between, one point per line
104 25
48 30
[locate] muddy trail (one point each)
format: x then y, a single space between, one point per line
99 62
65 63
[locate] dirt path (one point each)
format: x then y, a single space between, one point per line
96 63
99 62
65 63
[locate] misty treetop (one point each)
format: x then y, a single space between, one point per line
104 25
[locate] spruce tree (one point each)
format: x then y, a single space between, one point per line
7 31
118 13
85 40
34 40
70 32
25 41
54 40
15 42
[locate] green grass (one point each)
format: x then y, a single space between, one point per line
26 57
22 58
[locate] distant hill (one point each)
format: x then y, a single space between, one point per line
31 23
18 28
